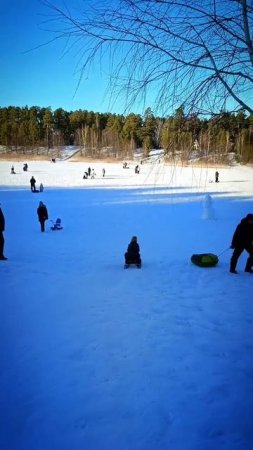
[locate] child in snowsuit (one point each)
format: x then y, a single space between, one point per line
42 215
243 240
132 256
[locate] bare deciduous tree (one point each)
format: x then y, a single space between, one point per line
195 53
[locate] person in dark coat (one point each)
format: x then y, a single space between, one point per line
217 176
132 254
243 240
2 228
42 215
33 181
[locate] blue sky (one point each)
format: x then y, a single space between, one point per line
45 76
35 72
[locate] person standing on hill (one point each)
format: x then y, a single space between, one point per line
32 182
217 176
2 228
42 215
243 240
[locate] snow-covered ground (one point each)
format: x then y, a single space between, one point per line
95 357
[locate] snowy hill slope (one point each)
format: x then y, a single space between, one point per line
97 357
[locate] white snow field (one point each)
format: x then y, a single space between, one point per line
95 357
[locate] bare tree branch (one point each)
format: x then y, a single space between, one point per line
193 52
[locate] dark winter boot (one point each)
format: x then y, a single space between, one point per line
232 267
233 263
249 264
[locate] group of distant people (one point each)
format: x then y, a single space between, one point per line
32 180
90 173
25 168
136 169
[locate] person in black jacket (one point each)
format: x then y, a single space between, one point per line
2 228
243 240
132 256
42 215
32 182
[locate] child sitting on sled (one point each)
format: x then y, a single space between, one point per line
132 255
57 225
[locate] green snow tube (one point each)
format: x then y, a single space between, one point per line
205 260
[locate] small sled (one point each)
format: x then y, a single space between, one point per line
132 263
205 260
57 225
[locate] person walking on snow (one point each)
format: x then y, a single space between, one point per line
2 228
243 240
33 181
42 215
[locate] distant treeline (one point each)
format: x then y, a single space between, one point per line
36 130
